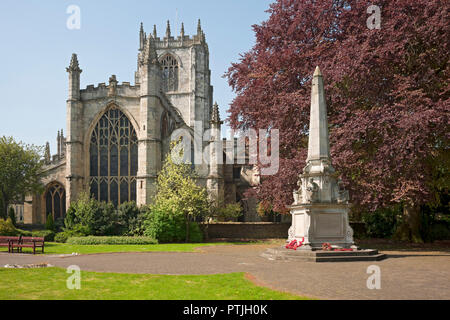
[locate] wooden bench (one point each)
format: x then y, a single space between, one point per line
5 241
28 242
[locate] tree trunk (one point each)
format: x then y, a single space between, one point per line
409 230
4 213
187 229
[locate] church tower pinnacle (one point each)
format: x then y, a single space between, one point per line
47 156
215 182
142 37
215 115
150 55
200 33
74 141
74 78
182 30
199 28
168 33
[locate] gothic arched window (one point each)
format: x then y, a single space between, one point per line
170 73
55 201
113 158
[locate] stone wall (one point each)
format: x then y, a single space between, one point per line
258 230
246 230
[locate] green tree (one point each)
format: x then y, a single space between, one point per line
177 192
12 215
50 224
225 212
20 170
129 219
91 217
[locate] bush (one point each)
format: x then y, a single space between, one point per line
103 219
59 225
130 219
381 223
50 224
71 219
61 237
164 225
195 233
7 228
111 240
48 235
440 231
97 218
24 233
12 215
77 231
228 212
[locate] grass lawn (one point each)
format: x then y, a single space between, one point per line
63 248
50 284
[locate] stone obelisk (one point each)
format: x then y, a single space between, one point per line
320 208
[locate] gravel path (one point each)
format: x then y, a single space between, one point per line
404 275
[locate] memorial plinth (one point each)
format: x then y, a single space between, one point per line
321 203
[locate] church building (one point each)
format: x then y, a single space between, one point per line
117 134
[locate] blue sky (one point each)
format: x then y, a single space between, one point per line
36 47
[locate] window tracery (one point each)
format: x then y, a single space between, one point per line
113 158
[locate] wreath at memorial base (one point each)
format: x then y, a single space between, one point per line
326 246
294 244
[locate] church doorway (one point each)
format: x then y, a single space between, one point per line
55 201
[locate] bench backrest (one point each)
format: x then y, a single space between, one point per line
4 239
32 239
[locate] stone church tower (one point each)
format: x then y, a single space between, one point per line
119 134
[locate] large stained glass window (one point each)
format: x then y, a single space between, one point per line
113 159
170 73
55 201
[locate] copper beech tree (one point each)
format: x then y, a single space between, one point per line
387 90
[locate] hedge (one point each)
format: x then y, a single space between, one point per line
48 235
61 237
7 228
91 240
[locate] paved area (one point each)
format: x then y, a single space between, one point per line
404 275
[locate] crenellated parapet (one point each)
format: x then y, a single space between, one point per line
169 41
102 90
